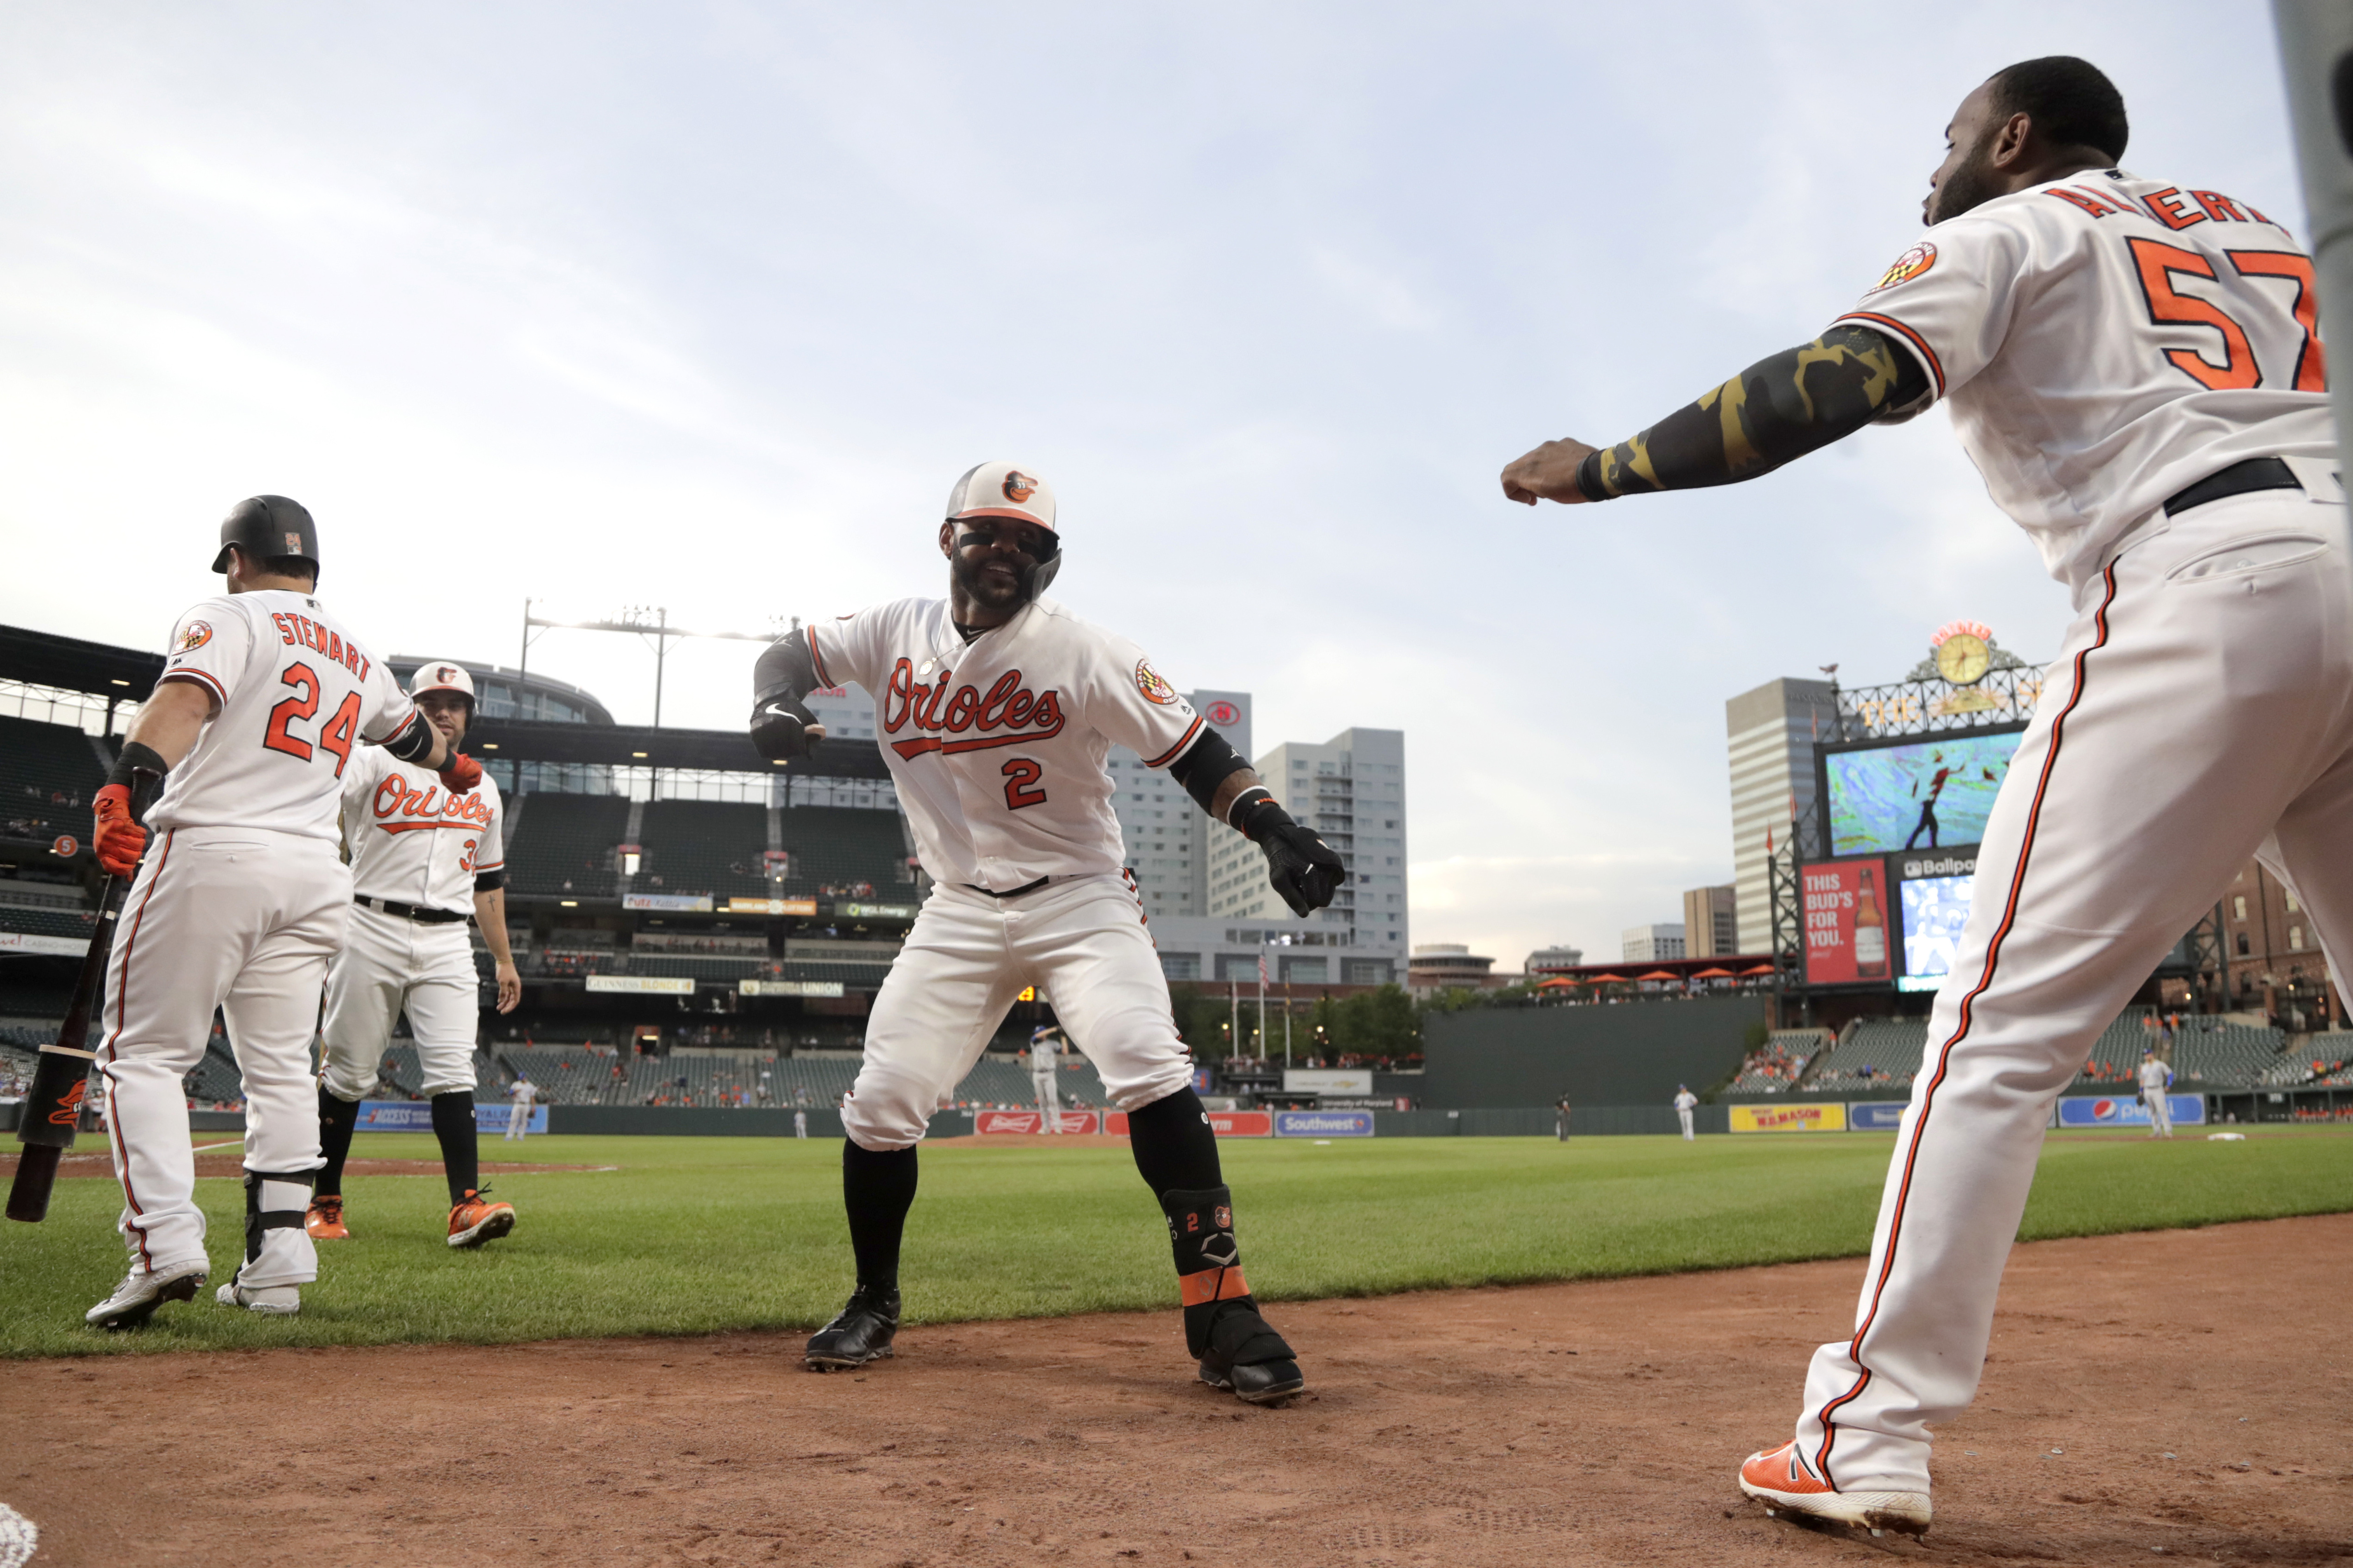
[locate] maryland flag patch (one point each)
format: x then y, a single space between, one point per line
1148 681
195 635
1908 266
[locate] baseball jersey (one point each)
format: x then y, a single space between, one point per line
998 747
2156 1078
1686 1100
523 1092
2107 340
297 697
1042 1059
413 841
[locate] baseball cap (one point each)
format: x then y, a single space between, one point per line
1001 490
441 677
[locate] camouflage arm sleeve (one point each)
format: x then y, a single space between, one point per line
1778 409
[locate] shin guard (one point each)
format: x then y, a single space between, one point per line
1222 1319
278 1251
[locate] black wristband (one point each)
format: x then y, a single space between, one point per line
1588 477
135 755
1254 812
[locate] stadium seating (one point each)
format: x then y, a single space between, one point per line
564 843
1876 1053
583 1075
72 923
704 847
836 846
1776 1066
49 775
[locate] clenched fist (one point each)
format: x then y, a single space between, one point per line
460 773
118 840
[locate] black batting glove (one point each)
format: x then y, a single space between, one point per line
1304 869
780 729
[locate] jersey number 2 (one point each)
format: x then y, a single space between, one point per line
336 737
1019 774
2158 263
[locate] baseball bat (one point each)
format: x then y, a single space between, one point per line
52 1108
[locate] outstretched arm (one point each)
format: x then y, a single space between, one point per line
1304 869
1778 409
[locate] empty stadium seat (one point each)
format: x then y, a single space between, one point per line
705 847
564 843
49 774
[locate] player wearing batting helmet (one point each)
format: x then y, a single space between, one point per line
997 706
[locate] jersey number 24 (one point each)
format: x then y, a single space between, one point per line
336 737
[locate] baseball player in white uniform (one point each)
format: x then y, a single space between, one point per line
1685 1103
2134 367
424 860
997 709
521 1099
264 703
2156 1083
1045 1060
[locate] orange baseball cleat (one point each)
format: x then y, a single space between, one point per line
475 1219
324 1219
1780 1481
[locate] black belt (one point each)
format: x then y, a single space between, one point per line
411 913
2246 475
1012 892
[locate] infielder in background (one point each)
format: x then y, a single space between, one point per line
519 1117
1045 1059
263 699
997 709
1686 1102
423 858
2156 1083
2136 371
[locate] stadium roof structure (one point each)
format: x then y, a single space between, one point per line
642 746
69 664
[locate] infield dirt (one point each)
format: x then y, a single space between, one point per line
1583 1423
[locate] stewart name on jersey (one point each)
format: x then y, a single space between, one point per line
297 698
414 842
998 747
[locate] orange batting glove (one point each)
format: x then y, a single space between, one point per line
460 773
118 840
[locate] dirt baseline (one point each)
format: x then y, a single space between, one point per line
2183 1390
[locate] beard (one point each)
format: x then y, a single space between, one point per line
986 589
1972 185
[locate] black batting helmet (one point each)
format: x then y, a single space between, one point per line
268 526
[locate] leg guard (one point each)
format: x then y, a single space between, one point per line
278 1249
1238 1349
338 1119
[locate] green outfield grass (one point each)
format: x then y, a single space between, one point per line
686 1235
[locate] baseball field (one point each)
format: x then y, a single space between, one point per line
682 1236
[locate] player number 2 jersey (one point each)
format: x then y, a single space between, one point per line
998 747
2107 340
297 696
413 841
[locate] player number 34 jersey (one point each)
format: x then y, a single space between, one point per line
298 698
413 841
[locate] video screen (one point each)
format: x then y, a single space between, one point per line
1935 910
1922 794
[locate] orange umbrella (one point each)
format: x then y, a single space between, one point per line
1609 979
1658 975
1760 969
1557 980
1713 974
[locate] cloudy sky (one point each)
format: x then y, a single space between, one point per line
705 305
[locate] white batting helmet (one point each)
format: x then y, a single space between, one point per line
443 677
1000 489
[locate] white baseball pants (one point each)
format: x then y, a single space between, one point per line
518 1120
2202 712
2160 1115
1685 1117
388 966
1050 1103
243 919
968 955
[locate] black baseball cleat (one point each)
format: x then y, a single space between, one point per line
861 1333
1247 1359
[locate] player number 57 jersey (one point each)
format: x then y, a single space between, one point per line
298 698
413 841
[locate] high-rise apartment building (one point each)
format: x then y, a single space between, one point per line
1649 944
1351 790
1772 734
1711 923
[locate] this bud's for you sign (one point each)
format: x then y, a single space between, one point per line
1845 908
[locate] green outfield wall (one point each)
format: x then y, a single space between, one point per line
1628 1056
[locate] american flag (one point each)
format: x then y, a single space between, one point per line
1261 969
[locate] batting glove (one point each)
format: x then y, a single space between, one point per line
780 729
118 840
460 773
1304 869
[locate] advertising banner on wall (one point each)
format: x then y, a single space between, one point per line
643 985
1829 1118
998 1121
684 904
417 1116
1224 1123
1323 1125
1327 1081
1875 1115
788 987
26 941
772 906
1844 904
2124 1111
875 911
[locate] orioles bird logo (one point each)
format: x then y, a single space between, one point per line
1020 487
445 673
69 1110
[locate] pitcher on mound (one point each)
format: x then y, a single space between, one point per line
997 708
